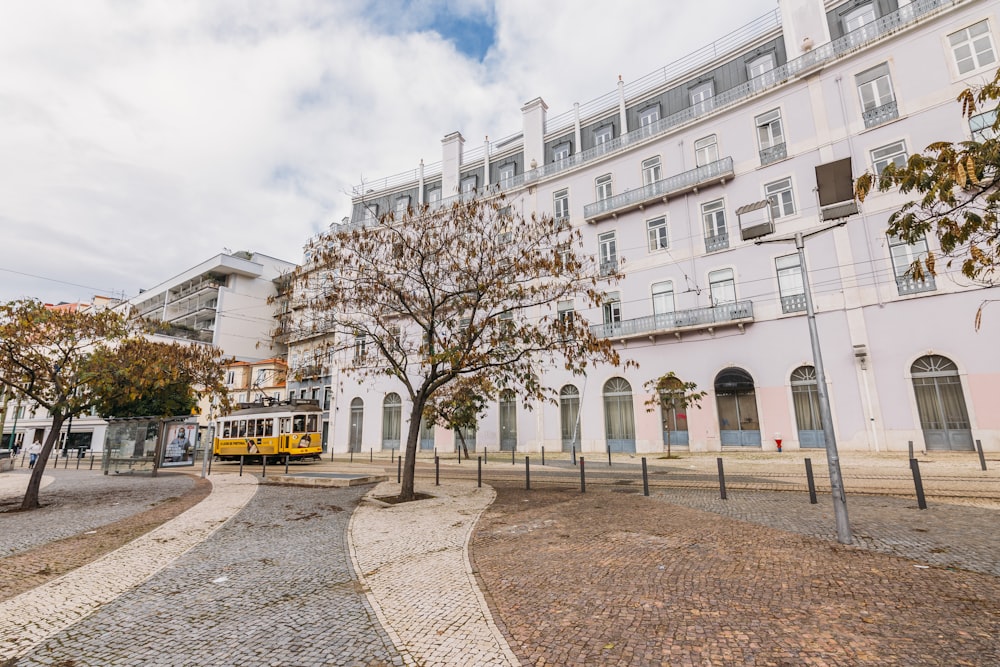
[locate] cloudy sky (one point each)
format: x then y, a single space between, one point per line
141 137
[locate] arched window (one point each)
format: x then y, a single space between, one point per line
737 403
569 417
357 421
805 397
392 418
941 403
508 421
619 418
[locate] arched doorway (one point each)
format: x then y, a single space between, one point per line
737 402
392 418
569 417
941 403
805 397
508 421
357 421
619 419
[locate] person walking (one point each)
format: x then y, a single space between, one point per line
33 452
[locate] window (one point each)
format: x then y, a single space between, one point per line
651 170
507 174
770 137
434 196
874 87
779 195
790 286
604 134
760 65
469 184
663 298
701 93
859 17
894 153
714 215
230 377
360 344
656 230
561 152
603 187
261 377
612 308
722 287
706 150
903 256
649 115
981 126
560 204
565 311
326 398
973 47
402 204
608 247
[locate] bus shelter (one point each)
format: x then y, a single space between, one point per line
146 444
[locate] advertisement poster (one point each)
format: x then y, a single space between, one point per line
179 450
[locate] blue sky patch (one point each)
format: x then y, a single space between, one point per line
472 35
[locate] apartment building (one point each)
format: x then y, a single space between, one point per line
685 180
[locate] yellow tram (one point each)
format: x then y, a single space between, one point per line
272 430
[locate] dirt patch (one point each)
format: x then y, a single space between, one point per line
394 500
34 567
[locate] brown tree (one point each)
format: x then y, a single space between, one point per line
69 362
672 395
465 290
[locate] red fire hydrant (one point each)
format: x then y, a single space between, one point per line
777 441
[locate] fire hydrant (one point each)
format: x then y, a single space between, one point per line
777 441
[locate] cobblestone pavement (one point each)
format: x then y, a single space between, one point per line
274 586
613 578
413 558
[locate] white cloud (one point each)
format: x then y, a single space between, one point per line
143 137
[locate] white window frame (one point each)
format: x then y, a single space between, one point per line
565 310
859 17
789 271
883 155
701 93
560 204
781 197
612 309
713 216
663 297
507 173
722 286
760 65
876 93
981 126
434 196
402 204
658 234
607 244
706 150
651 170
469 184
561 151
971 46
906 253
604 134
769 130
604 187
649 115
360 349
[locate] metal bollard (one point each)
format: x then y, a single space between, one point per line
918 484
459 456
392 456
527 474
982 459
371 455
352 455
609 456
645 478
583 479
91 459
263 463
399 469
479 481
512 452
574 454
78 461
811 482
543 456
241 465
722 479
485 456
286 463
910 445
437 471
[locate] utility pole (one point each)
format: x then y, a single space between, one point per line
832 457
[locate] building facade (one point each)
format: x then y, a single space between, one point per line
675 178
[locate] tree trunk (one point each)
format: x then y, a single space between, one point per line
412 440
465 448
30 501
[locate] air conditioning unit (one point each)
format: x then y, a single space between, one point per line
755 220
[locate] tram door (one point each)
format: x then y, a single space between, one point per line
357 421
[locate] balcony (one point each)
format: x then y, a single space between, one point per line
694 319
716 242
910 285
793 303
608 267
710 174
773 154
883 114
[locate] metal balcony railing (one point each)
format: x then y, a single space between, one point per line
716 242
667 187
694 318
883 114
608 267
793 303
773 153
910 285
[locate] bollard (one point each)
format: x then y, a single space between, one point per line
918 484
91 459
609 456
811 482
241 465
722 479
512 452
399 469
263 463
435 452
392 456
459 456
527 474
352 455
371 455
210 457
485 456
645 478
479 480
437 471
910 445
543 456
78 461
286 463
583 479
982 459
574 454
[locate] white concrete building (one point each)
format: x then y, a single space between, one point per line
667 176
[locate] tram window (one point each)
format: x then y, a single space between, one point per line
225 429
268 427
312 424
286 424
243 428
299 423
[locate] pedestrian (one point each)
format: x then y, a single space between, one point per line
33 452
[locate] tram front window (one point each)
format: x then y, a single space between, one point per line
299 424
